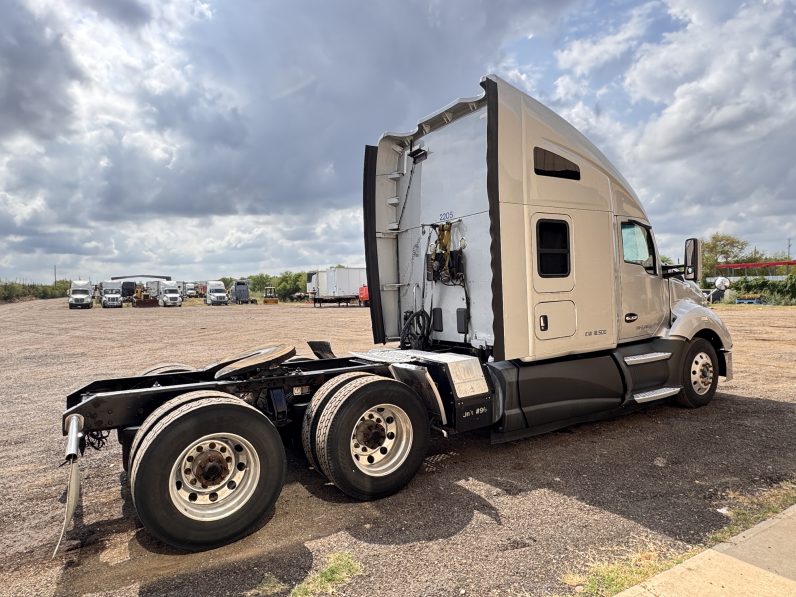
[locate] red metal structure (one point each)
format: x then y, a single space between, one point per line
756 265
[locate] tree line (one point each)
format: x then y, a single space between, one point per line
289 285
11 292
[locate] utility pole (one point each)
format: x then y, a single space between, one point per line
55 275
788 270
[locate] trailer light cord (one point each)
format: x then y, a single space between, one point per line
97 439
416 331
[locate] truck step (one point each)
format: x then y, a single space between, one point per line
656 394
650 357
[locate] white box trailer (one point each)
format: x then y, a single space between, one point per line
345 281
336 285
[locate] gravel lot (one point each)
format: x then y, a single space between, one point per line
478 519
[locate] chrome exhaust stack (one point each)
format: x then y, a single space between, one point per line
74 429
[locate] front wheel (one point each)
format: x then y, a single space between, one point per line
372 437
700 374
207 473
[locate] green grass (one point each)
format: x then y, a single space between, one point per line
603 579
339 569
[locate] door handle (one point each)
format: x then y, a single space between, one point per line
630 317
543 323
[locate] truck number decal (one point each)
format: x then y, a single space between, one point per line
596 333
446 215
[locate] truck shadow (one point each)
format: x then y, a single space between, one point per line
665 468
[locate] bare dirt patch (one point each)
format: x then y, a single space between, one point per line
487 519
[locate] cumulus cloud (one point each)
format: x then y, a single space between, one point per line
584 55
723 138
153 117
207 138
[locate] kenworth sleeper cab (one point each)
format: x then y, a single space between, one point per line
517 272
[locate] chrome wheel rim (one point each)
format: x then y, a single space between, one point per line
381 440
701 373
214 476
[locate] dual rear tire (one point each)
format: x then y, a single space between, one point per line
367 434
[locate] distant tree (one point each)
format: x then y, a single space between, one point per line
666 260
258 282
721 248
227 281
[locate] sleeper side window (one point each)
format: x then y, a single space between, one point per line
637 246
547 163
552 248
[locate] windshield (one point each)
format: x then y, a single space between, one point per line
112 291
171 291
80 291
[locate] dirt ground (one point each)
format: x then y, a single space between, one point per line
478 519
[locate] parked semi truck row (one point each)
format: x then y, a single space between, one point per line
517 271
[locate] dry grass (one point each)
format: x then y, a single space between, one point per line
339 569
269 585
603 579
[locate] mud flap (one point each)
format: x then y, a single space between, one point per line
74 426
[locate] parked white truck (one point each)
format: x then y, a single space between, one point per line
80 294
190 290
169 294
216 293
520 276
111 294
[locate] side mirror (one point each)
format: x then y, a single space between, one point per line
722 283
693 259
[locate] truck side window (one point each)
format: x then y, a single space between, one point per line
552 248
637 246
547 163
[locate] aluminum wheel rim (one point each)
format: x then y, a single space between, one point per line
214 476
381 440
701 373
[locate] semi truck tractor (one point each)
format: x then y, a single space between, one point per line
111 294
80 294
519 275
240 293
169 294
216 293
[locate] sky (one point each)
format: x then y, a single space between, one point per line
200 139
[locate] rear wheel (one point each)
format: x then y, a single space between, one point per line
207 473
700 374
372 437
314 409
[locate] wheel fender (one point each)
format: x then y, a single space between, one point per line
418 378
691 320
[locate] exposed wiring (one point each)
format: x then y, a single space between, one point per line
406 197
416 332
97 439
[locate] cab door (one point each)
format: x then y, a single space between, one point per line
644 302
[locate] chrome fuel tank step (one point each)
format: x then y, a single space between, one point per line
656 394
650 357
